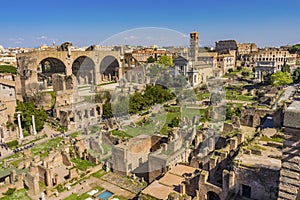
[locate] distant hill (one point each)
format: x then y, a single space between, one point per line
8 69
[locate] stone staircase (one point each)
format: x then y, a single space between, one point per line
289 181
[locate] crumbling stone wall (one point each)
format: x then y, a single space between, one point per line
263 182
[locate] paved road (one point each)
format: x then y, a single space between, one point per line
289 92
44 140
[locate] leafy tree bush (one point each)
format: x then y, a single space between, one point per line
165 60
294 49
28 109
12 143
174 122
286 68
10 191
281 78
8 69
154 94
296 75
151 59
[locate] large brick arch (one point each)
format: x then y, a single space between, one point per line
109 65
29 64
55 66
83 67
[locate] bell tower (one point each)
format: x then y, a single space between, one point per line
194 39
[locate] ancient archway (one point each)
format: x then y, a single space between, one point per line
109 68
48 67
84 69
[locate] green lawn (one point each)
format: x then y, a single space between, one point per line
99 174
235 95
275 138
170 117
83 196
17 195
155 126
202 95
120 134
42 149
82 164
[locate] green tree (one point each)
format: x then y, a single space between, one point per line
281 78
296 75
136 103
106 108
229 113
286 68
151 59
166 61
28 109
8 69
294 49
174 122
107 111
120 107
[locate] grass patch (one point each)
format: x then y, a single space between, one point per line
94 129
201 95
155 126
265 138
234 94
120 134
42 149
83 196
101 84
17 195
74 135
72 197
42 186
257 147
12 144
99 174
275 138
170 117
82 164
278 138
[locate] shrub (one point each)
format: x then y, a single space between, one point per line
12 143
8 69
10 191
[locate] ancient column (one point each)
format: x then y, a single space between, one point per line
20 126
33 125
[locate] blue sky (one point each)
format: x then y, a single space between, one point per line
32 22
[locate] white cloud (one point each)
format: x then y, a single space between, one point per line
42 38
131 37
16 40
